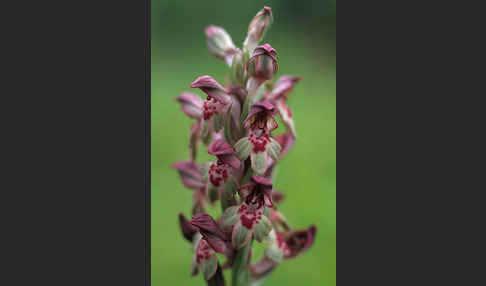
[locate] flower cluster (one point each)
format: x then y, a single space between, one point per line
236 122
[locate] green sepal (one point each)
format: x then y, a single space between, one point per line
230 216
243 148
262 228
240 236
241 273
274 149
209 267
259 162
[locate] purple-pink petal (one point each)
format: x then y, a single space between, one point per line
220 147
286 142
231 160
190 174
299 241
265 49
191 104
262 181
206 225
206 81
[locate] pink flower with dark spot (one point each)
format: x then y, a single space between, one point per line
226 159
261 118
258 192
225 153
218 98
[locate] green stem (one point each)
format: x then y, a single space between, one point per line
241 272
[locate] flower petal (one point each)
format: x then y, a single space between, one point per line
230 216
286 142
274 149
240 236
262 268
206 225
243 148
191 104
190 174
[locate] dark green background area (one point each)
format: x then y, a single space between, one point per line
304 36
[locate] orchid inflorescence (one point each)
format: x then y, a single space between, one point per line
236 123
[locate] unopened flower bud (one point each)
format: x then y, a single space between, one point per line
257 28
220 44
263 63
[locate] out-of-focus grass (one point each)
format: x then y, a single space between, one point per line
307 175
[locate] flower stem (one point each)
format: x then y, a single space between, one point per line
241 273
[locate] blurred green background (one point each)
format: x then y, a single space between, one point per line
303 33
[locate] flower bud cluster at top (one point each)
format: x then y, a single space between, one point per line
236 122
